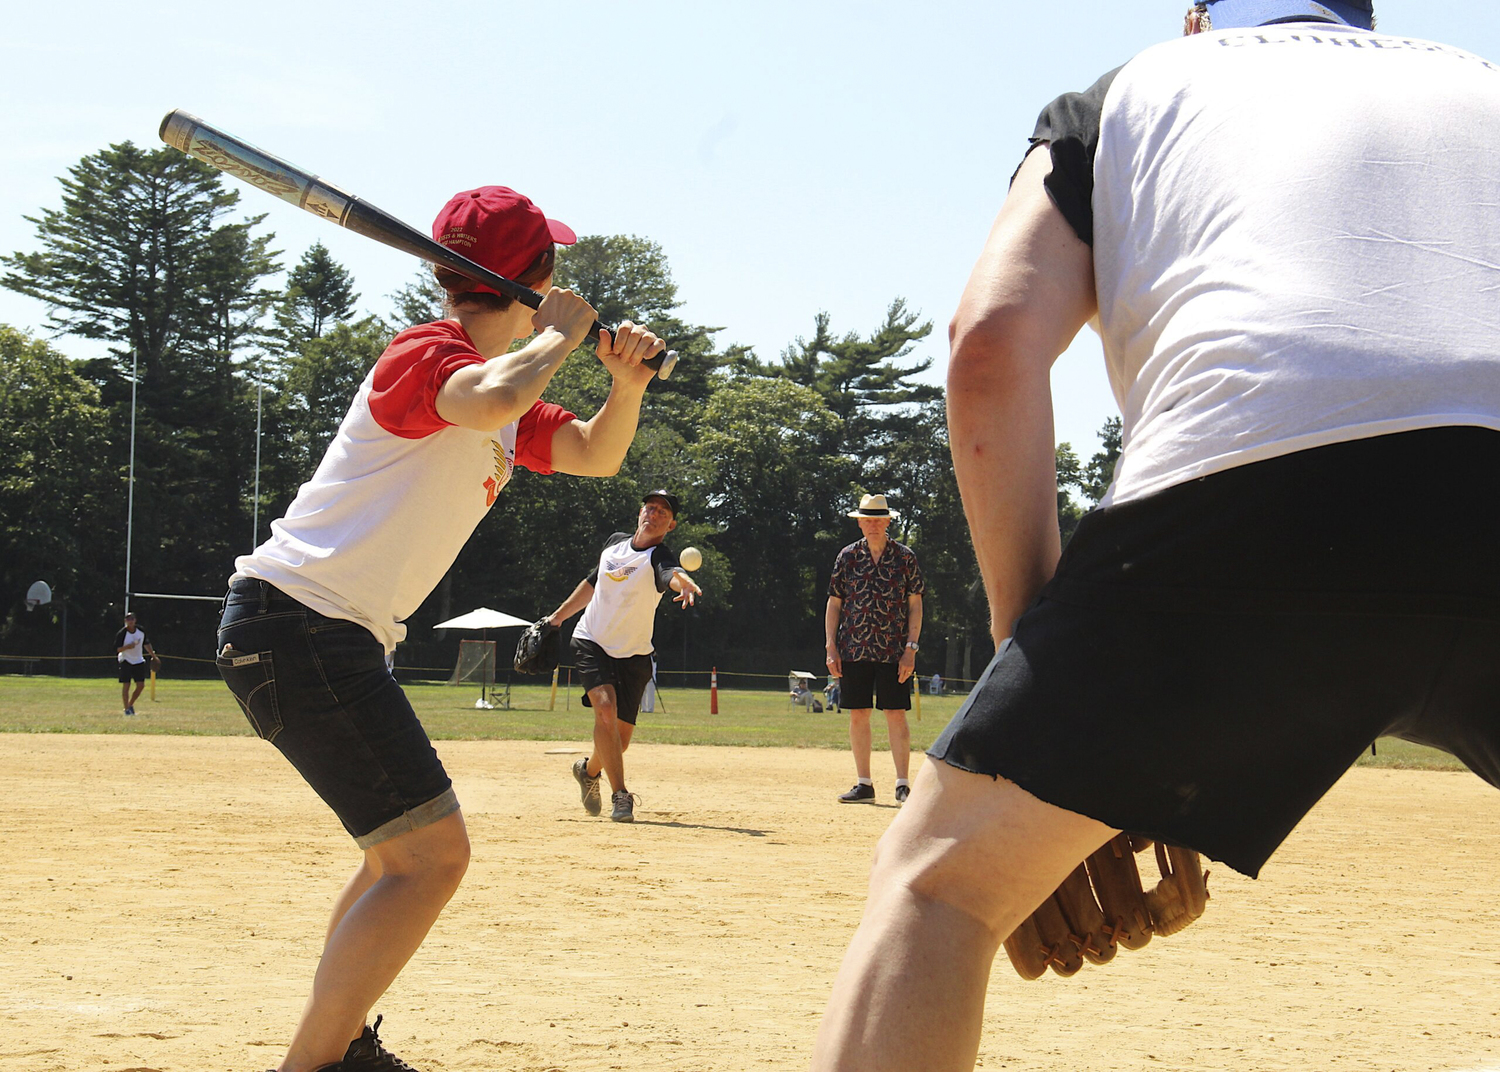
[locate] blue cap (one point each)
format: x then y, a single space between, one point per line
1239 14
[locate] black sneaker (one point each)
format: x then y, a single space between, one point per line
624 806
366 1054
860 794
902 792
588 787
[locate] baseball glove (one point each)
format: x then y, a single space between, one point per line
536 651
155 663
1101 906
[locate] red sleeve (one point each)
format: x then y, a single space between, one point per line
534 435
408 376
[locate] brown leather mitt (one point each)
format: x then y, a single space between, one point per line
1101 907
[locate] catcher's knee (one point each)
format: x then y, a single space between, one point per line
967 842
943 873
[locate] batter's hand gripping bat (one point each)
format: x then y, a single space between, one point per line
275 176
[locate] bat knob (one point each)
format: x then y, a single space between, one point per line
668 363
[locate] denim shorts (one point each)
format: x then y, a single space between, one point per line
318 689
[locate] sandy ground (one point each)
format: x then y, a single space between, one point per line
162 899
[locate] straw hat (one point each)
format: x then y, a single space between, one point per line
873 506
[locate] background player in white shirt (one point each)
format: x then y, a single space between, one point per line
132 649
612 643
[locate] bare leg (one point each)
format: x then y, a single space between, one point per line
859 740
900 736
964 862
124 695
609 750
375 933
139 688
363 878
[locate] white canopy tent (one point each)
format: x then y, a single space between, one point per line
482 618
485 619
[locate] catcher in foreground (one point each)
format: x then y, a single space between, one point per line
1268 584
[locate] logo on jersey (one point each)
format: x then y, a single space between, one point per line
503 469
622 573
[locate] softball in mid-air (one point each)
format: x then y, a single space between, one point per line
691 558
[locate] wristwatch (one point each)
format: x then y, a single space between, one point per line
912 644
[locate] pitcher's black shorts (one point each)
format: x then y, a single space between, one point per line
629 676
867 684
132 672
1209 660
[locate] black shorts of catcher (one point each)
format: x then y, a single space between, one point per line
870 684
1209 660
132 672
629 676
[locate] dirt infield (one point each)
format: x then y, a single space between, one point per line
163 898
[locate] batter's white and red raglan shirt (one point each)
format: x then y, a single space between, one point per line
399 491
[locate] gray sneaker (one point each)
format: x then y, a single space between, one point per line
588 787
624 806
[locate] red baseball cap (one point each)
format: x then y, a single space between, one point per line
498 229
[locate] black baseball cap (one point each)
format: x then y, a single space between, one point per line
673 503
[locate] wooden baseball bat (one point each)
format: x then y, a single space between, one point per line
312 194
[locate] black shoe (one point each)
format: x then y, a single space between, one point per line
902 792
860 794
366 1054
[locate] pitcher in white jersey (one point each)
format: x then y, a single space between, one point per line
314 612
1283 226
612 643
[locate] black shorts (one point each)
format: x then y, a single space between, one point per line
1209 660
871 684
132 672
629 676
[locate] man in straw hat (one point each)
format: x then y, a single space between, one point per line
871 626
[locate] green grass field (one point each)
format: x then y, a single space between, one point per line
745 718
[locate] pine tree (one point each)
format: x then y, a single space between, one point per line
319 294
139 257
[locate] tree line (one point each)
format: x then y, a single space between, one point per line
227 389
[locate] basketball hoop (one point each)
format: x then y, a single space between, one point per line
37 594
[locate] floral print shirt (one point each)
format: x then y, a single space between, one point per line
872 621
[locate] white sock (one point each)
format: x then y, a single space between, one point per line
863 781
902 781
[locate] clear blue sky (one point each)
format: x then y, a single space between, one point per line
789 158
